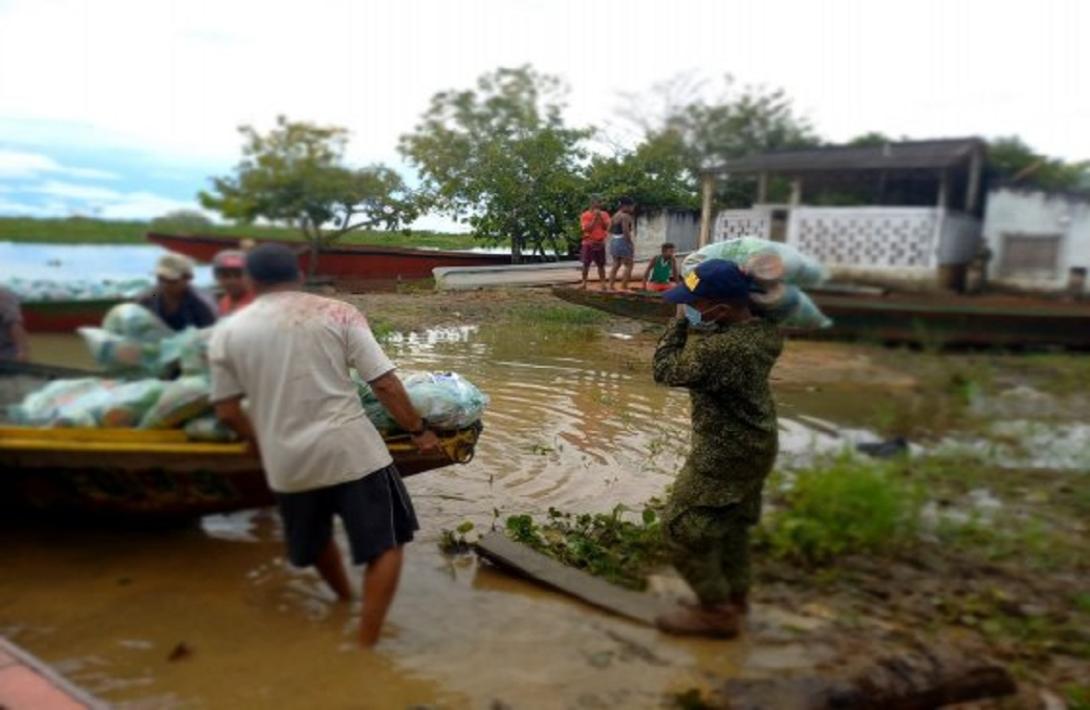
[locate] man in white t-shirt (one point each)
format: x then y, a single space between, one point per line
288 353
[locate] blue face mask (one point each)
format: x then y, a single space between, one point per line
695 318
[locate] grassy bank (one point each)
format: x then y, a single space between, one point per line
83 230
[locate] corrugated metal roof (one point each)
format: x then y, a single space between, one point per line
905 155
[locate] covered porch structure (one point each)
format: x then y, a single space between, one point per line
895 209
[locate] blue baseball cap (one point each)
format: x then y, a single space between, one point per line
714 279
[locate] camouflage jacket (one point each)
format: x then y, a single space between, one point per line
735 436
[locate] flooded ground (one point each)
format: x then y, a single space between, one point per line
211 616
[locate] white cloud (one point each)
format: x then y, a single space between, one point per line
21 164
66 198
178 78
75 191
144 205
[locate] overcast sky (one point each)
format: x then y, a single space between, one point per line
123 108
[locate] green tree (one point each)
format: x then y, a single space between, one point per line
741 121
655 175
182 222
296 175
1011 159
500 158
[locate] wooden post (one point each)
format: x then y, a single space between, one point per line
796 191
762 188
707 191
972 192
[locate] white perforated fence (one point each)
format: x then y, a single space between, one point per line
731 224
867 237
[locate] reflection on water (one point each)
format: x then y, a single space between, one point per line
571 424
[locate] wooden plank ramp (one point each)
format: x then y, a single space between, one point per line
26 682
635 606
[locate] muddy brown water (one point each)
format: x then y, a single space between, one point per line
570 425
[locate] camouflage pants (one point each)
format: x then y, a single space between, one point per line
710 547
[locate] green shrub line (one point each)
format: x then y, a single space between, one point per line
84 230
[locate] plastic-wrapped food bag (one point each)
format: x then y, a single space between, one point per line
790 307
42 407
135 321
446 399
121 354
183 399
188 348
209 428
797 268
130 402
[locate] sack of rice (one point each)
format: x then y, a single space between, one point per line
183 399
753 255
446 399
209 428
43 406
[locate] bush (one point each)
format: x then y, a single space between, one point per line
182 222
844 507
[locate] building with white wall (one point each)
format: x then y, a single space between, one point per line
1038 240
917 211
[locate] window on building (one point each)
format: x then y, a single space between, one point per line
1030 256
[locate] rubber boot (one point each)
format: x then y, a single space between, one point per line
718 621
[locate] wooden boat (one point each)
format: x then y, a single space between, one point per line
153 475
64 316
346 262
947 320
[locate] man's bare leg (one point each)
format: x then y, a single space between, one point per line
601 277
586 272
332 570
379 584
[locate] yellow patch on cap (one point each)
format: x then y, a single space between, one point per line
692 280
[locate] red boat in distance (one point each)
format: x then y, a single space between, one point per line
344 263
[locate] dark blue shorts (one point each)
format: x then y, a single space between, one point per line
376 512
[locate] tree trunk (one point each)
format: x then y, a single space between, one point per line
516 250
312 265
916 680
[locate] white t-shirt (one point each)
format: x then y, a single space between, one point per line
289 354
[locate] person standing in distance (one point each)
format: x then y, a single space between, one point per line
622 242
289 353
594 224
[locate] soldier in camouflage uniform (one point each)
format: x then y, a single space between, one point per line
723 354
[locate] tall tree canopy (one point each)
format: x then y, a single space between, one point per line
738 120
655 175
500 158
295 174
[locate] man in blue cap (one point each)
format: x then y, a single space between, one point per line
722 353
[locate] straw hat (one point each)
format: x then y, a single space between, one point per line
174 266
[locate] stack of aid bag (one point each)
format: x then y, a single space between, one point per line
780 271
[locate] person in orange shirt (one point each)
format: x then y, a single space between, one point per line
595 226
227 267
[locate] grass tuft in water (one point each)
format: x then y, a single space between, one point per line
847 506
560 314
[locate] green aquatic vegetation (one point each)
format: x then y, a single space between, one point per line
454 542
607 545
559 314
382 329
845 506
